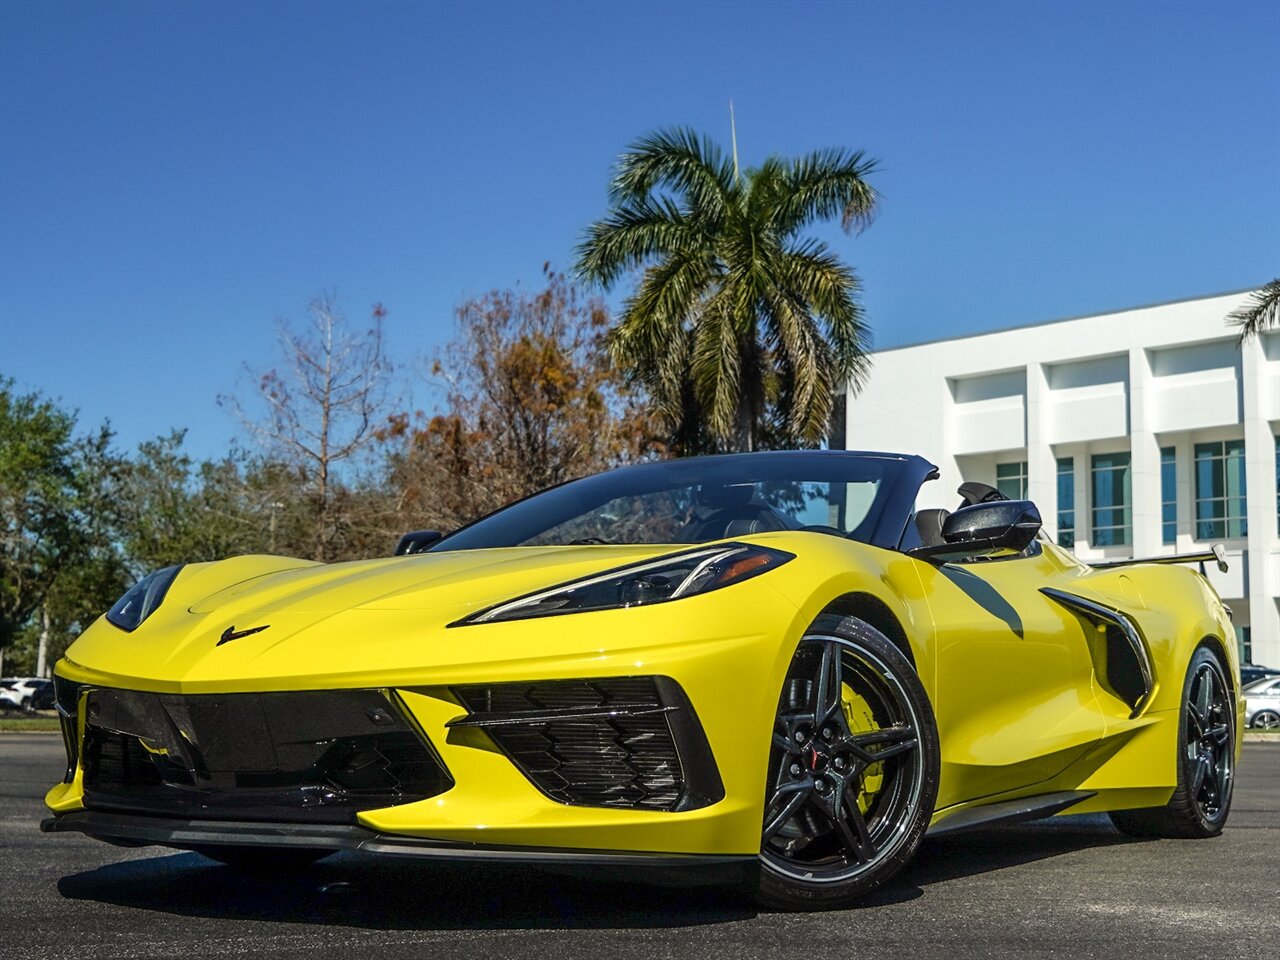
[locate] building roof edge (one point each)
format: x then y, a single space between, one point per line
1081 316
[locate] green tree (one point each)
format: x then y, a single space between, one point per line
1261 312
54 509
175 510
741 326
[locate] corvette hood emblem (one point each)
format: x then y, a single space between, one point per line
231 633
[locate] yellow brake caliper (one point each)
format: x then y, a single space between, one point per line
858 715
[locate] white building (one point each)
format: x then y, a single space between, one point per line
1137 433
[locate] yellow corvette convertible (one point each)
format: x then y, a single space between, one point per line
769 659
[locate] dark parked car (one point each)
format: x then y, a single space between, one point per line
1250 672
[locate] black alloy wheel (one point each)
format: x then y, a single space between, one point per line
1206 760
853 769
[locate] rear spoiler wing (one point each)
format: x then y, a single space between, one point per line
1217 554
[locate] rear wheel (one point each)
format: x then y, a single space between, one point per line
1206 760
262 859
853 770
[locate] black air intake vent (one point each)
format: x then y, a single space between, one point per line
630 742
1126 670
316 757
66 700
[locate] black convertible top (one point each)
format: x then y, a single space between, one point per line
895 479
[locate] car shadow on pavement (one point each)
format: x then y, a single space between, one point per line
984 850
362 891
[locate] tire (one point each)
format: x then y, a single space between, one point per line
853 769
250 859
1266 720
1201 801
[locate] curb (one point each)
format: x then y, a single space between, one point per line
30 733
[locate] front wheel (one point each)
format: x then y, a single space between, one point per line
853 769
1206 760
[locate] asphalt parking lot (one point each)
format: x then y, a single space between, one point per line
1072 887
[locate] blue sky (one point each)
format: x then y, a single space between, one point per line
174 177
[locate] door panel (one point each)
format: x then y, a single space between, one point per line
1014 698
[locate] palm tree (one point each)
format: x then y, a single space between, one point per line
741 328
1261 312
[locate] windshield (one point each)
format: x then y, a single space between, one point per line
862 496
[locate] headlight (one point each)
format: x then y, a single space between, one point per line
142 599
672 577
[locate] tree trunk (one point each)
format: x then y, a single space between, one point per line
743 440
750 394
42 652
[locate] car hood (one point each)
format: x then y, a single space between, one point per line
429 581
265 618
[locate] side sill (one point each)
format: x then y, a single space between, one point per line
1009 811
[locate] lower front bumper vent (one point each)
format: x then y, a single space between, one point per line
315 756
631 742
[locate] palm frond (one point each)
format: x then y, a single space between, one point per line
1261 312
715 365
826 184
629 236
680 161
807 364
815 275
651 336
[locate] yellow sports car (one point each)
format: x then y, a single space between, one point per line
767 659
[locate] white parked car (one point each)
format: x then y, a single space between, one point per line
25 693
1262 703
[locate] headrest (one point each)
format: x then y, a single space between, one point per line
976 492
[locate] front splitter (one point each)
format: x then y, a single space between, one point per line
132 830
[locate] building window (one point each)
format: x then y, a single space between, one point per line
1168 495
1220 490
1278 483
1112 500
1244 641
1066 502
1011 479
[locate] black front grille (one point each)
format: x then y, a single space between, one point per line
631 742
317 756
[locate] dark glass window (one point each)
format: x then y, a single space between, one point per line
1011 479
1112 500
1220 490
1168 495
1066 502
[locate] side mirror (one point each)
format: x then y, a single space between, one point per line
983 528
1004 523
417 541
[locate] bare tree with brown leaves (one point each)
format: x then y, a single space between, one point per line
531 400
321 407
